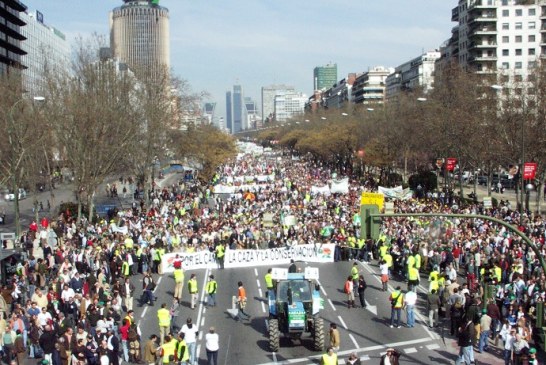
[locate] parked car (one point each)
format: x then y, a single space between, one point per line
10 196
506 181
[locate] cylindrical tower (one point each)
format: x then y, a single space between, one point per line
139 35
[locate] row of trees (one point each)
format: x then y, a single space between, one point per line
486 123
100 120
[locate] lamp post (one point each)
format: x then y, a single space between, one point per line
14 184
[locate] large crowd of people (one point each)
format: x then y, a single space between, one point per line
72 300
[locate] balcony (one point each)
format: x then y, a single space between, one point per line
482 58
484 17
481 4
482 45
482 30
455 14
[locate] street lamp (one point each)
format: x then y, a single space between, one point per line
14 184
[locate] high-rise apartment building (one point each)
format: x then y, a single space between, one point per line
238 109
369 87
324 77
289 105
44 45
139 35
415 74
11 35
208 112
498 35
268 99
252 116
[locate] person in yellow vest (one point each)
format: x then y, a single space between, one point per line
178 283
397 302
362 254
168 350
193 289
417 259
355 273
410 262
268 282
413 278
498 272
383 249
389 261
125 269
164 318
182 352
434 274
128 243
220 253
161 252
329 358
211 289
433 285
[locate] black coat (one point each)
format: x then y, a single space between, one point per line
47 342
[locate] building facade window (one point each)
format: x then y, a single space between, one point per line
519 25
532 12
506 65
518 39
531 51
505 26
506 13
532 38
518 52
532 25
505 39
519 65
519 12
506 52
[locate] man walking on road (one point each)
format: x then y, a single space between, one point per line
164 318
329 358
178 283
334 337
268 282
192 288
466 334
211 287
433 301
127 291
397 302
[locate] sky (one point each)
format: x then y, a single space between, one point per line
254 43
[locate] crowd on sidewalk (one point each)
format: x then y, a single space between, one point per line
72 300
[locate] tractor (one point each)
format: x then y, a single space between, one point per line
294 307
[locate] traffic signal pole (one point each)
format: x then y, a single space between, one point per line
371 225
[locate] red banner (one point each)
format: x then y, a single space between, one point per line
451 163
529 170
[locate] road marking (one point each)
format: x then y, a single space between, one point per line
157 284
200 309
421 317
364 358
267 325
434 346
274 356
332 304
143 312
203 321
410 350
347 352
258 283
353 339
263 306
343 323
322 289
255 271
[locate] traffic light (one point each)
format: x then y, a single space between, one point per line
371 226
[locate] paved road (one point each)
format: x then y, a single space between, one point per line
365 331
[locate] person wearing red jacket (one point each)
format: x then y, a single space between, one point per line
124 330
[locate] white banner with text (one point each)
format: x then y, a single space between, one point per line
251 258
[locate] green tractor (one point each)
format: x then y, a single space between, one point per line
294 308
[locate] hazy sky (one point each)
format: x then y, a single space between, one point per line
215 44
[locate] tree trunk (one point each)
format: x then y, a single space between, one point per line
91 206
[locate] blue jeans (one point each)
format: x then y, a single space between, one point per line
506 355
484 335
465 355
125 347
191 350
398 312
212 300
410 315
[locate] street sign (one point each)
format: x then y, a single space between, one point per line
529 170
373 199
451 163
487 202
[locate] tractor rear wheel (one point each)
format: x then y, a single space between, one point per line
318 333
274 335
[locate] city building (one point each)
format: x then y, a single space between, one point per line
268 99
324 77
11 35
235 110
415 74
229 112
340 93
208 112
503 37
139 35
289 105
253 119
44 46
369 87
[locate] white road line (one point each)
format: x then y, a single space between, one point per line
353 339
200 309
143 312
419 316
157 284
263 306
364 358
258 283
255 271
410 350
332 304
274 356
434 346
267 325
343 323
260 292
322 289
197 351
203 321
347 352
